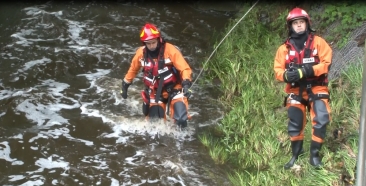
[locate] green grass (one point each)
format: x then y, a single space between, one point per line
252 137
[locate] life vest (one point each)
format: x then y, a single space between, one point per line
307 56
157 73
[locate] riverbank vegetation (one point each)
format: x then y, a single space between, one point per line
252 137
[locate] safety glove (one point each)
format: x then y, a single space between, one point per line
125 86
186 85
307 71
292 75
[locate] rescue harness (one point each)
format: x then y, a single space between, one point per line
159 77
306 83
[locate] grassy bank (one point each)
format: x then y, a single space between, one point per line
252 137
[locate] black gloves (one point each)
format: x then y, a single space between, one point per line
292 76
308 71
124 89
295 75
186 84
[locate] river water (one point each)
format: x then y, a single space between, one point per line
62 120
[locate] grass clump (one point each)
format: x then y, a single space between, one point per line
252 137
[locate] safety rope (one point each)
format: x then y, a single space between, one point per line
223 40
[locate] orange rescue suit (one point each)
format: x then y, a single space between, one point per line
321 50
172 57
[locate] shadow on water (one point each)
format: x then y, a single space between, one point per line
62 120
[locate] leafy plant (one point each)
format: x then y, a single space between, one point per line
346 16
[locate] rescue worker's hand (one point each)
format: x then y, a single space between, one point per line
292 76
186 84
125 86
307 71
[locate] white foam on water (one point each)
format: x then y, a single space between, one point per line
179 170
55 182
142 126
92 77
5 94
93 112
32 11
40 113
21 37
18 136
56 133
137 125
13 178
125 52
114 182
33 63
33 183
129 160
75 29
47 114
176 180
52 162
152 181
5 153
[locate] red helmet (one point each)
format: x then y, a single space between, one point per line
149 31
297 13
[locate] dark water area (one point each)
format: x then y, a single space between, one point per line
62 120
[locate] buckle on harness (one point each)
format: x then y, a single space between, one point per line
153 80
290 95
291 65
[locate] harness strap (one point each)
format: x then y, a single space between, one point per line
307 51
160 89
312 97
171 95
161 64
315 82
296 98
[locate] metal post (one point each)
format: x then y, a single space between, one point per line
361 164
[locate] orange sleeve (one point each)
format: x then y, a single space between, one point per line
279 62
325 56
135 66
178 61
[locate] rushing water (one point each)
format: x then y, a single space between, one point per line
62 120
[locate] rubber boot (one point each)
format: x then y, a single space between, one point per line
297 150
314 154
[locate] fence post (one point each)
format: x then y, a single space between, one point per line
361 164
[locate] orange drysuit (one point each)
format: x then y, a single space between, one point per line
172 57
316 89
